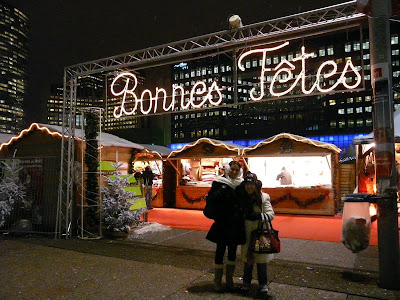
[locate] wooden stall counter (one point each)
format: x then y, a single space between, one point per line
191 197
293 200
158 199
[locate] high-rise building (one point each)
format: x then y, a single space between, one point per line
348 112
14 29
89 93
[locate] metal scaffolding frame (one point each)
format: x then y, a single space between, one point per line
296 26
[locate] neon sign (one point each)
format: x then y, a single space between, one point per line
198 90
283 75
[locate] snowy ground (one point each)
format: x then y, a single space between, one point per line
147 227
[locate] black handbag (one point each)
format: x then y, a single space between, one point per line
265 240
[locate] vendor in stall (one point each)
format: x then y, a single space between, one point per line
285 177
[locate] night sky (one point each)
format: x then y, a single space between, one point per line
65 33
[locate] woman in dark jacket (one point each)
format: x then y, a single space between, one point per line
228 229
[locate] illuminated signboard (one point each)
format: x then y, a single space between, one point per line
326 79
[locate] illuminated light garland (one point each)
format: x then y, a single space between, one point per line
25 131
263 68
326 70
295 138
207 140
301 77
199 89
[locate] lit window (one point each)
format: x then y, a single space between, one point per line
350 123
347 47
394 39
322 51
359 110
349 100
366 44
349 110
341 111
368 122
366 56
358 99
332 102
342 123
356 46
330 50
333 124
360 122
368 108
395 52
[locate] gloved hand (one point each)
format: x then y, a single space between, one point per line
253 216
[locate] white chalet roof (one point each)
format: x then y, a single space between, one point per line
369 138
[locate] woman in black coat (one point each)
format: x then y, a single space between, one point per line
228 229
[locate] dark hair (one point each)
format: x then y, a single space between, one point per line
234 162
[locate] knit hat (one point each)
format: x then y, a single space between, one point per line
250 177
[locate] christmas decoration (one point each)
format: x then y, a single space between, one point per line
12 191
116 203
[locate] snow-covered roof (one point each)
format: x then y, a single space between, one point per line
106 139
369 138
230 146
293 137
164 151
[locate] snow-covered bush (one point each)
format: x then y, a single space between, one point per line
116 203
12 191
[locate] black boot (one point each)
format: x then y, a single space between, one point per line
218 273
262 277
247 276
230 269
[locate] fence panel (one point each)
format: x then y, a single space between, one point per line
36 213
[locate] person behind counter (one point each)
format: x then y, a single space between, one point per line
256 206
148 178
227 231
285 177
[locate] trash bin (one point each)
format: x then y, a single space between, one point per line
356 222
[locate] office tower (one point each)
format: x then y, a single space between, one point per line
13 67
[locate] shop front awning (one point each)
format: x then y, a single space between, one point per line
205 147
289 144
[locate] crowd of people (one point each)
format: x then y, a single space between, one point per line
237 204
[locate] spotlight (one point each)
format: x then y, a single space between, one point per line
235 22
